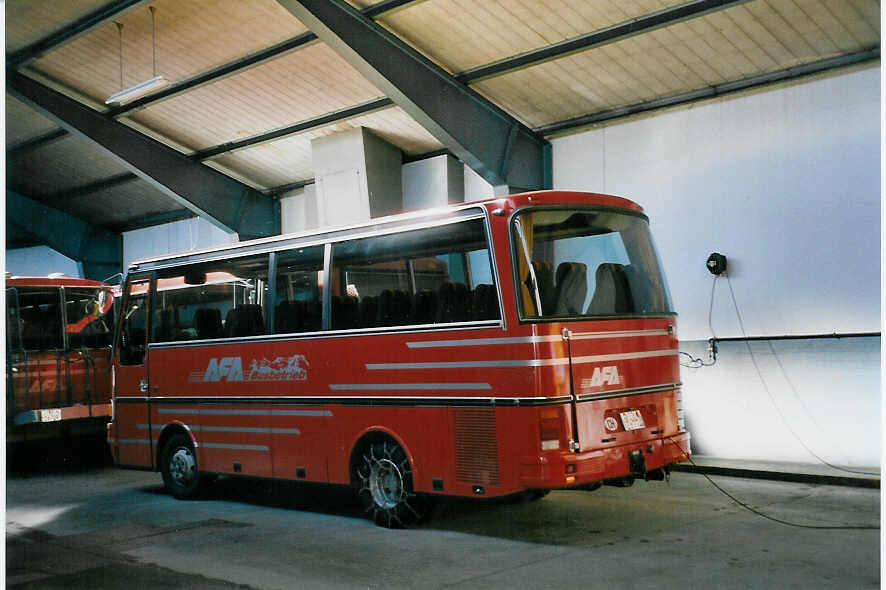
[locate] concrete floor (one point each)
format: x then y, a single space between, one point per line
99 527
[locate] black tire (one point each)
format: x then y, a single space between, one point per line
383 480
534 495
178 463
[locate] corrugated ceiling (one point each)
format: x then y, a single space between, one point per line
293 87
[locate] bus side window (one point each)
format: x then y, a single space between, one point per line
13 321
220 299
40 316
298 306
134 325
436 275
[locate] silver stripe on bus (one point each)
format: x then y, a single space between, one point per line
623 334
406 386
207 411
207 445
582 397
253 429
483 341
522 363
534 339
134 441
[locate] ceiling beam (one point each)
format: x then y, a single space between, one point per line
493 143
240 64
152 219
70 32
222 200
99 250
29 145
619 32
321 121
571 125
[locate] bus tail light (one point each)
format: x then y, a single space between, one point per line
550 429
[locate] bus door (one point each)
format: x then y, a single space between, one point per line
16 377
132 390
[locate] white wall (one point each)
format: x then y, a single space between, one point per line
169 238
40 261
786 183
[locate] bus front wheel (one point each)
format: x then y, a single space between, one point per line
384 486
179 468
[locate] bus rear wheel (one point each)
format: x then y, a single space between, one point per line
178 463
384 486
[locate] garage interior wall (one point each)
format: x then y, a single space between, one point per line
786 183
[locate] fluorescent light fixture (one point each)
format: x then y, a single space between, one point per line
139 90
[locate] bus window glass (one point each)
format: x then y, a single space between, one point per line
587 263
133 326
220 299
430 276
13 323
299 291
88 317
40 318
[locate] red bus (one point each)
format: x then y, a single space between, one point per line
58 357
509 346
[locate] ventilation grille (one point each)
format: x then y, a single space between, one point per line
476 446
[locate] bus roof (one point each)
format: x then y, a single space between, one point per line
392 222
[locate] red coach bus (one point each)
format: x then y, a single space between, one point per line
58 357
514 345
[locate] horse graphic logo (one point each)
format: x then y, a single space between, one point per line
294 368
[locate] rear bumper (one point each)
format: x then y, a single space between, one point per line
60 414
559 470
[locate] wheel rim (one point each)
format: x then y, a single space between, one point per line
386 484
182 466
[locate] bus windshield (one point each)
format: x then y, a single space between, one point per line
586 263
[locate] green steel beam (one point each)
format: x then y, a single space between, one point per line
482 135
99 251
222 200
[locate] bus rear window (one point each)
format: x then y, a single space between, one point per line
585 263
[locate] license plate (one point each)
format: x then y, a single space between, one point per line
632 420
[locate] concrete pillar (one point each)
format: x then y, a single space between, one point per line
357 177
433 182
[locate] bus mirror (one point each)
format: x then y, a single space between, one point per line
195 277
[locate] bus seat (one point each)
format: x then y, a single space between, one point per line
287 317
312 320
207 321
612 293
544 278
244 320
369 311
454 302
345 312
572 288
402 307
425 308
163 332
484 305
385 316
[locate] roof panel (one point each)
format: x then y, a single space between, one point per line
731 44
463 34
28 21
301 85
23 122
64 164
191 37
120 204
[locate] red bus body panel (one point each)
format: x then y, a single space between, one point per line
464 402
